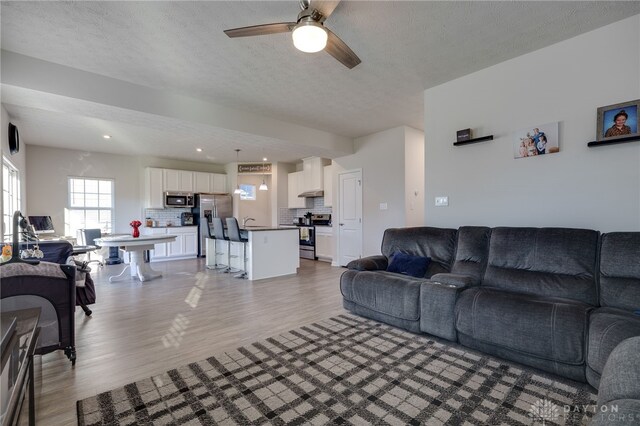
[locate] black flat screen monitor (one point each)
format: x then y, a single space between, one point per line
42 224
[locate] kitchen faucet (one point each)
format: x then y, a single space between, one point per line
245 220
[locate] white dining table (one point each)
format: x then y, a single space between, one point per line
136 248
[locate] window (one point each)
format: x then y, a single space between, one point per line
10 196
90 205
248 192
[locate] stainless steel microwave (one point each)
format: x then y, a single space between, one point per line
178 199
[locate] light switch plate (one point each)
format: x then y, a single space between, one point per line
442 201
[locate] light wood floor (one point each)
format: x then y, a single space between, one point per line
138 330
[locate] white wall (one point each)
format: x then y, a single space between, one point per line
381 158
260 208
414 177
49 168
596 188
18 160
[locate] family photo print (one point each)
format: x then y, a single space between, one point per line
536 140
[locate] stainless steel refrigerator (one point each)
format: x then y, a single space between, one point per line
207 207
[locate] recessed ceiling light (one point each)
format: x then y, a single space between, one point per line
199 149
106 136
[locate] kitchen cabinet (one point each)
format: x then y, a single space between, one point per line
178 180
324 243
295 183
328 186
209 183
185 245
218 183
202 182
313 168
154 188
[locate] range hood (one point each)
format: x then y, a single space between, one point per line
313 177
312 194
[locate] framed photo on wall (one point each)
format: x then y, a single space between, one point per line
618 121
536 140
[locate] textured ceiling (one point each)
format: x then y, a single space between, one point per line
405 47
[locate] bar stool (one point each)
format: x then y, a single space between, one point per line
218 234
233 232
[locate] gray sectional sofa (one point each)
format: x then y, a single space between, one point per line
557 299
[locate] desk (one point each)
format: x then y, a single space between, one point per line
136 248
83 249
19 335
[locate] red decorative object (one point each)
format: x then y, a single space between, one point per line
135 224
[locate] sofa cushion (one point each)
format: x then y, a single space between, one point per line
407 264
551 329
607 328
548 262
385 292
620 270
436 243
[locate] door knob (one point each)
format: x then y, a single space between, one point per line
341 224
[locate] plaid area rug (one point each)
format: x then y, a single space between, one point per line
344 370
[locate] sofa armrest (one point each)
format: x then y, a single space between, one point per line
437 308
371 263
620 385
458 280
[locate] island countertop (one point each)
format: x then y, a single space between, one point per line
266 228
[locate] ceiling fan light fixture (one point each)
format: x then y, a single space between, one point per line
309 36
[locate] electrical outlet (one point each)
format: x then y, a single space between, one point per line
442 201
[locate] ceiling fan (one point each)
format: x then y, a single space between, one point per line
309 33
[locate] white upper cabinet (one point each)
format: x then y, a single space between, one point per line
209 183
154 188
295 184
178 180
202 182
218 183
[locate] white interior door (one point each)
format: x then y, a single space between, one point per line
350 217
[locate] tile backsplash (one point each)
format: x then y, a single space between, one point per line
288 216
165 216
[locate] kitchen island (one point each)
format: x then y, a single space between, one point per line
271 252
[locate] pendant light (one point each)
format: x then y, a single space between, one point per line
263 185
237 191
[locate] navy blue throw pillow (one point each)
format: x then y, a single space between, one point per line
402 263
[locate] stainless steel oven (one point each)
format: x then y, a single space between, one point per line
307 242
308 235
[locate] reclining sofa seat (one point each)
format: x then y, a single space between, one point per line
370 291
535 298
619 297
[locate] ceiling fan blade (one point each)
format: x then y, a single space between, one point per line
339 50
265 29
325 7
